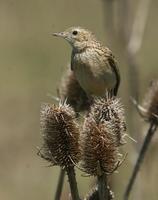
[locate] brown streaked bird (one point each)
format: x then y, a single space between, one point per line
93 64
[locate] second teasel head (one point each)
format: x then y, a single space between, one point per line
60 135
103 133
99 148
110 109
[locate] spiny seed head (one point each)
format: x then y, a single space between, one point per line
94 194
151 102
78 37
71 91
111 110
103 132
60 135
99 147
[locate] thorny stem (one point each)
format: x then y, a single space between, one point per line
102 187
73 184
141 156
60 184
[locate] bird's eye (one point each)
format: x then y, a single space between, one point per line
74 32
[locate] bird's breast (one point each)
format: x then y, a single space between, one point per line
93 76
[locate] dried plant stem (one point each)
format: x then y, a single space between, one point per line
133 75
109 16
135 42
73 184
60 185
102 187
139 24
141 156
123 23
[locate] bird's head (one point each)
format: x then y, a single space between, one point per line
78 37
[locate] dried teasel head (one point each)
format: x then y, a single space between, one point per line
94 194
60 135
103 132
99 148
150 103
73 93
111 110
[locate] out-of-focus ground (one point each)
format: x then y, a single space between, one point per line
31 64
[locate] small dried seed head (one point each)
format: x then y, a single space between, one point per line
73 93
103 132
60 135
110 110
99 148
94 194
151 102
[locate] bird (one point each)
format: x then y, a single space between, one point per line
93 64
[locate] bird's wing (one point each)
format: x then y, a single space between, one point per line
115 69
113 65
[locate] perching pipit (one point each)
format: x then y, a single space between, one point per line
93 64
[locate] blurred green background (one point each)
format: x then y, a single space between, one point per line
31 65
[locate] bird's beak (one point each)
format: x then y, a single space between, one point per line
60 34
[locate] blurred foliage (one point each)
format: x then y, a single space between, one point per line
31 63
